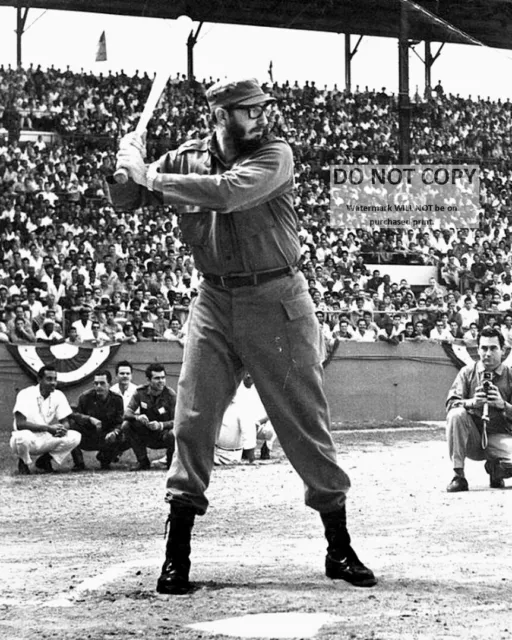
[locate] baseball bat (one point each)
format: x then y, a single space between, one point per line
159 82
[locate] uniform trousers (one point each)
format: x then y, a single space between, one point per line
139 437
25 444
465 440
94 440
272 332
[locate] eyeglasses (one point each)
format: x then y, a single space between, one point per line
255 112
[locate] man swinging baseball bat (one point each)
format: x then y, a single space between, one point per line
252 313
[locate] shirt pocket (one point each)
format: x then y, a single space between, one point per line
302 330
196 228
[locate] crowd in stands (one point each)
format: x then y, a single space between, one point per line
74 269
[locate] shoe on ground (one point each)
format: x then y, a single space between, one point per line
350 569
249 455
44 463
506 468
264 452
141 466
104 463
161 463
496 475
457 484
23 468
79 466
173 584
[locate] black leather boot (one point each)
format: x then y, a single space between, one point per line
44 463
175 571
341 561
78 459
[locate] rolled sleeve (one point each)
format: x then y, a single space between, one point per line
133 406
458 390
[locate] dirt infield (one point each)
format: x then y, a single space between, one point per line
80 553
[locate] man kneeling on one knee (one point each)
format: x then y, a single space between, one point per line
479 420
149 417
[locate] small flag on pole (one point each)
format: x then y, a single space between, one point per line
270 67
101 51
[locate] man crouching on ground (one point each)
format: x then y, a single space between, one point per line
484 387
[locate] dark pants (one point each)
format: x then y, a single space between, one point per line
92 440
139 437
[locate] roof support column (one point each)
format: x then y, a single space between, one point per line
348 61
191 43
21 19
428 69
404 105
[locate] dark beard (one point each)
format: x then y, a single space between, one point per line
242 147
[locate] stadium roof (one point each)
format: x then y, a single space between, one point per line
487 21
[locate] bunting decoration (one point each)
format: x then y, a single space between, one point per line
73 364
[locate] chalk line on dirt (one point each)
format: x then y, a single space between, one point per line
269 625
67 599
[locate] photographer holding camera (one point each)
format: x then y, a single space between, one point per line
479 414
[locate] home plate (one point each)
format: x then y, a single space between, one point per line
269 625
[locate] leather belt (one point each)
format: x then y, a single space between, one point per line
252 280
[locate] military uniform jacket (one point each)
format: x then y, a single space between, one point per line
109 411
236 219
159 408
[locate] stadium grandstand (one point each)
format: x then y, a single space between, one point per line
64 249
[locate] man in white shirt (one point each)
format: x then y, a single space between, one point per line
47 332
440 332
468 313
470 337
84 325
41 427
362 333
124 385
174 333
99 337
244 420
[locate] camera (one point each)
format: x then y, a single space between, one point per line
486 385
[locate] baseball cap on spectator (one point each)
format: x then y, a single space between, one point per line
228 93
